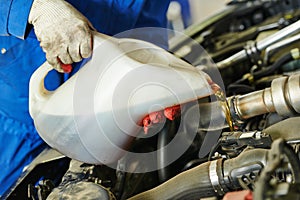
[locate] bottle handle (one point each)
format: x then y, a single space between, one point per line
38 94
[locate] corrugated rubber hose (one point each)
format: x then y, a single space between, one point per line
198 182
190 184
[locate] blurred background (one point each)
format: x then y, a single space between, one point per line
183 13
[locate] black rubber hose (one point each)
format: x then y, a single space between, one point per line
196 182
164 137
270 70
287 129
192 184
263 185
294 162
247 162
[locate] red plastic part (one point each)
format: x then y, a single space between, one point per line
158 117
172 112
239 195
146 124
66 67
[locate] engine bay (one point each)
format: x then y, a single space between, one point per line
245 137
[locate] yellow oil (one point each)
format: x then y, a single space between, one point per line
221 98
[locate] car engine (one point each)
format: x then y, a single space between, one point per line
247 139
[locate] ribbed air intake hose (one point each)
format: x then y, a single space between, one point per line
208 179
190 184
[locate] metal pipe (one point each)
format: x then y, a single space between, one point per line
252 104
270 49
283 33
260 45
235 58
282 97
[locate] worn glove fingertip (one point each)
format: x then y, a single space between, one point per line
56 66
85 51
54 62
86 48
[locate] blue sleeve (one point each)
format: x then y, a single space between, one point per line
153 14
113 17
110 16
4 12
14 16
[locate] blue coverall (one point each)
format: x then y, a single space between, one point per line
21 55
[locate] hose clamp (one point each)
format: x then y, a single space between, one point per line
214 179
253 53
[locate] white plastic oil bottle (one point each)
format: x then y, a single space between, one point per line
94 115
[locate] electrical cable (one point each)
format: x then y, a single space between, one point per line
276 65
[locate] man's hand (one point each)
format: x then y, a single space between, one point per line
65 35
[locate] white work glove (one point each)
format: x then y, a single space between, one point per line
65 35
